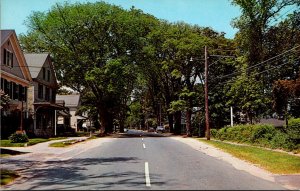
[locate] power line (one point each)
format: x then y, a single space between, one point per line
285 13
273 68
268 60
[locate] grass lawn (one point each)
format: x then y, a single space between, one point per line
64 143
7 143
273 161
6 176
61 144
4 155
70 142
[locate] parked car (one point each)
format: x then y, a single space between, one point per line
160 129
151 129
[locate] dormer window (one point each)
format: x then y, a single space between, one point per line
48 75
8 58
44 74
41 91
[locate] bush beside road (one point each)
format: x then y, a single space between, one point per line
285 138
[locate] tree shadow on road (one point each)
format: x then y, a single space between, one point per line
83 174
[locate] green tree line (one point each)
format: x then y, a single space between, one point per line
133 69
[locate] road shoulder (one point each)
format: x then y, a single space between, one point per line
288 181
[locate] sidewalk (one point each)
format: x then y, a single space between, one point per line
44 147
39 153
288 181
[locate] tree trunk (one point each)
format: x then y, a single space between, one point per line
106 120
188 123
121 126
177 129
143 122
170 119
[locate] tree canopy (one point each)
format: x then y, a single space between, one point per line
134 69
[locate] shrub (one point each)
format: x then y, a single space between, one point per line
293 129
213 132
282 141
262 132
18 138
262 135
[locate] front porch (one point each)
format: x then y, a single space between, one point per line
44 121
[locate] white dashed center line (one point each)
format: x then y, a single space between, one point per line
147 176
144 145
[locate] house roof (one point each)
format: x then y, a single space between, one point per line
10 35
35 63
4 35
70 100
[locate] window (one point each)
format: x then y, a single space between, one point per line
6 87
16 91
47 94
41 91
8 58
44 73
9 89
53 95
48 75
22 93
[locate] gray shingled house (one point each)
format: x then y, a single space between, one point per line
72 102
42 94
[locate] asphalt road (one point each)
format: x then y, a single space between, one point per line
140 162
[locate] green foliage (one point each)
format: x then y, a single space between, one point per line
96 48
260 39
4 101
247 95
110 55
262 132
134 115
213 133
18 138
293 129
261 135
178 105
152 122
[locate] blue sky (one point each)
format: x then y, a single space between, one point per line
212 13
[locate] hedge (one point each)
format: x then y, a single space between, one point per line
264 135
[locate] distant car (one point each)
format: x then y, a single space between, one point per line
151 129
125 129
160 129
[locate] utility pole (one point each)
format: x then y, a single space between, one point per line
206 96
